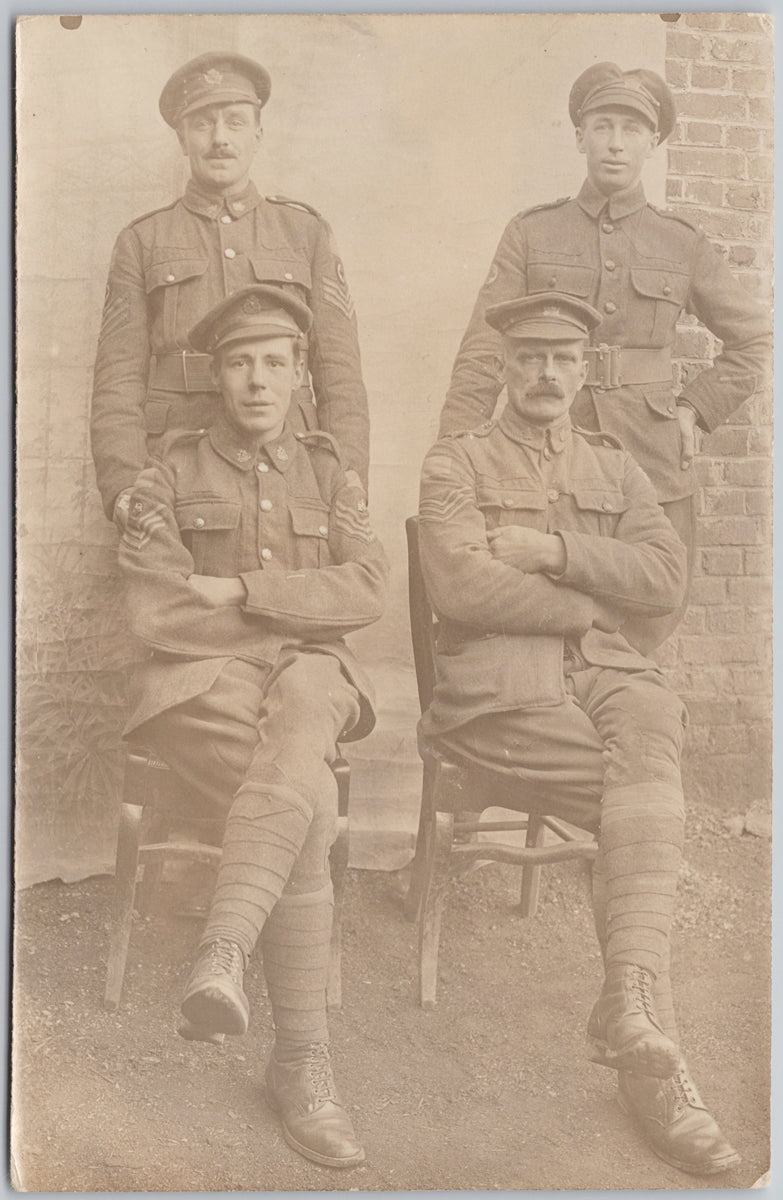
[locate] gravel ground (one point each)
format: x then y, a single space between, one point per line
491 1090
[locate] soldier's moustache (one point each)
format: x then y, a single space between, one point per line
548 389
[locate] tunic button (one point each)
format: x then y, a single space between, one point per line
670 408
323 530
552 280
609 264
262 467
610 306
230 253
226 219
553 495
199 522
508 502
170 278
608 227
266 506
288 275
667 291
266 554
547 452
607 505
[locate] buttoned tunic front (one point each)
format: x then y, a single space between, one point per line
641 268
503 632
168 269
283 519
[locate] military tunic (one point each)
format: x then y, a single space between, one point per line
171 267
281 518
641 268
503 632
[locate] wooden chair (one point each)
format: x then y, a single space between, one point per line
454 794
153 808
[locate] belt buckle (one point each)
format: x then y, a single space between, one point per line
606 364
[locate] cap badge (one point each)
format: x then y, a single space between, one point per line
251 306
242 455
213 78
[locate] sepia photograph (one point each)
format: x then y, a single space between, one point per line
393 746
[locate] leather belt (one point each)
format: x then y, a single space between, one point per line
183 372
616 366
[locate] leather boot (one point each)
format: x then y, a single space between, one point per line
674 1120
304 1096
623 1031
214 1001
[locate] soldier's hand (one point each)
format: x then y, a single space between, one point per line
220 592
526 549
689 435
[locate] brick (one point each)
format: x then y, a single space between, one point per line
748 680
726 503
758 51
712 712
758 502
708 591
742 255
704 191
730 531
759 620
703 133
723 224
754 708
721 562
725 620
729 739
694 621
741 22
694 342
761 110
742 137
674 189
745 80
703 20
695 160
750 196
750 472
712 106
761 166
754 590
683 45
704 75
677 74
725 440
709 472
758 562
760 440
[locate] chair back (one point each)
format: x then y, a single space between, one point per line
423 624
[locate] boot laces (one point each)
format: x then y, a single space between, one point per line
641 983
320 1071
226 957
685 1090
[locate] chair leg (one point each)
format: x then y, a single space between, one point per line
412 902
128 842
338 866
531 875
153 871
439 838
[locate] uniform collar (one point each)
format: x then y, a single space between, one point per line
617 206
207 205
555 436
244 454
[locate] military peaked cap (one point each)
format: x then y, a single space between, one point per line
548 316
214 78
255 312
606 86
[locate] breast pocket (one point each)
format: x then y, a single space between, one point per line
598 508
167 281
660 294
283 271
510 502
571 278
310 528
209 528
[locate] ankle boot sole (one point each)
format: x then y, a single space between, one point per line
646 1056
323 1160
713 1166
213 1009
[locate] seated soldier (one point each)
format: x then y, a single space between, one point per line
538 540
247 557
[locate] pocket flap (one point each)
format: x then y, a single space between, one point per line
198 514
660 284
600 499
660 398
175 271
270 269
310 520
560 277
156 416
497 494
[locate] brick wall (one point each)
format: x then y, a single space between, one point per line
719 66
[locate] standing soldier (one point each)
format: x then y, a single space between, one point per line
641 268
173 265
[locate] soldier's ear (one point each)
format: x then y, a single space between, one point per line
181 139
656 137
580 139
